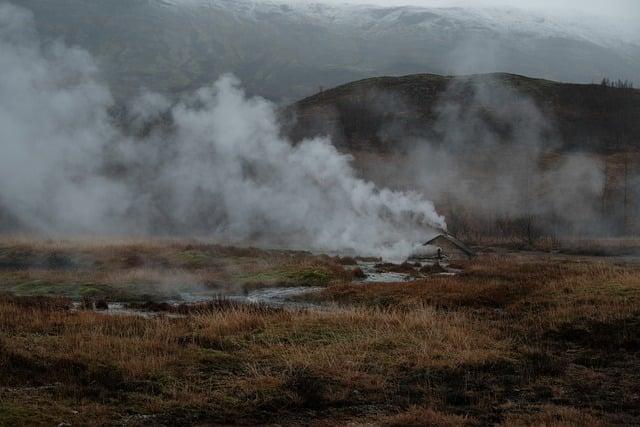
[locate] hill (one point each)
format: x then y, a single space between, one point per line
499 154
382 114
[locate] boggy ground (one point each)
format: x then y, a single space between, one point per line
532 340
154 270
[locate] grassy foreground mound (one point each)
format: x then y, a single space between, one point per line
512 341
153 270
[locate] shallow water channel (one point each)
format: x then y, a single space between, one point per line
275 297
375 276
278 297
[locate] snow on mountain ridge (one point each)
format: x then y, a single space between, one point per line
377 20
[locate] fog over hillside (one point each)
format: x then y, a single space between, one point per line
285 49
496 153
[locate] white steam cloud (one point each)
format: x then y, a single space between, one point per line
224 172
497 158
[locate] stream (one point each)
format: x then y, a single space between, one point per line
276 297
374 276
279 297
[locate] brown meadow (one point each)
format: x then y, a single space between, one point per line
514 340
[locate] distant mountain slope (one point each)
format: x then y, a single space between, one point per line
285 51
381 114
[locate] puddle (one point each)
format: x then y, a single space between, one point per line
121 309
279 297
373 276
276 297
269 297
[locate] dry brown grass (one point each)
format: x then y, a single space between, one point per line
272 360
552 416
512 341
601 247
418 417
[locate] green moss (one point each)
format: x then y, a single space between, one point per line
313 277
43 288
78 291
288 277
70 290
192 259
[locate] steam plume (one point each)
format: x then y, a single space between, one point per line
224 173
498 156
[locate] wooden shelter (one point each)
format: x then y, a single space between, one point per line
451 247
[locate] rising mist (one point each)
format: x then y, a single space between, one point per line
224 172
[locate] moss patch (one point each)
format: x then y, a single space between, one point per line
288 277
77 291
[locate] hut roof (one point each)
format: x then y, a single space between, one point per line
464 248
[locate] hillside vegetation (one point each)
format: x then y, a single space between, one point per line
501 155
380 114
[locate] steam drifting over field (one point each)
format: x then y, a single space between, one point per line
498 160
223 172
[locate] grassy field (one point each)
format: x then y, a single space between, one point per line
515 340
153 270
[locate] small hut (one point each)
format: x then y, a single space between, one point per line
451 247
